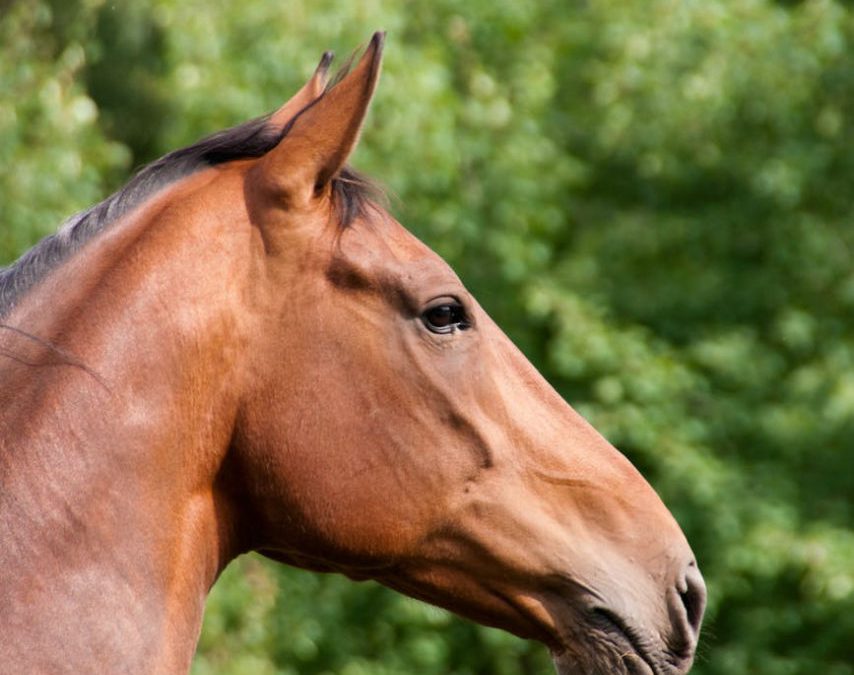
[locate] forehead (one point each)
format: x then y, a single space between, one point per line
379 247
386 234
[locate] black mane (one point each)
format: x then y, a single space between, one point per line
351 193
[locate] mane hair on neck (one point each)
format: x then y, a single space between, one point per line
352 193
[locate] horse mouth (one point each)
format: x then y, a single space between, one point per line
634 655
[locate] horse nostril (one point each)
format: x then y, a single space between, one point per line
692 592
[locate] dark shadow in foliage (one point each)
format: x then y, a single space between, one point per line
123 75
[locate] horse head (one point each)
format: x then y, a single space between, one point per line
390 430
243 350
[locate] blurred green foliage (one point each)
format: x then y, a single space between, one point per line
654 200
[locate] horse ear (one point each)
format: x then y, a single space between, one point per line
310 92
323 135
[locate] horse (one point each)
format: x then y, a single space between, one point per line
242 350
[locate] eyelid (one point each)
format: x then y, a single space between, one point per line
440 300
448 300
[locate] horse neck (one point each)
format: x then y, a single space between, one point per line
111 439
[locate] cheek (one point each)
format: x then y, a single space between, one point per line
340 460
363 447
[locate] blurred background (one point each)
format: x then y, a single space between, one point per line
653 198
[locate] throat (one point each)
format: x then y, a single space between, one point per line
92 585
117 408
111 532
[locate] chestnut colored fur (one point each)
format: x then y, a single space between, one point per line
214 365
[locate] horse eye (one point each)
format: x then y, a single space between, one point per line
445 318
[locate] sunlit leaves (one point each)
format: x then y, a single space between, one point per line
652 198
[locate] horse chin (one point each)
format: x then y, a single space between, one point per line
609 649
623 664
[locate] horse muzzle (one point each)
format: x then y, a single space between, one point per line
622 642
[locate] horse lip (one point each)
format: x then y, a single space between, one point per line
615 625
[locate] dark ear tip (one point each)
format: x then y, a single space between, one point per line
377 40
323 66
